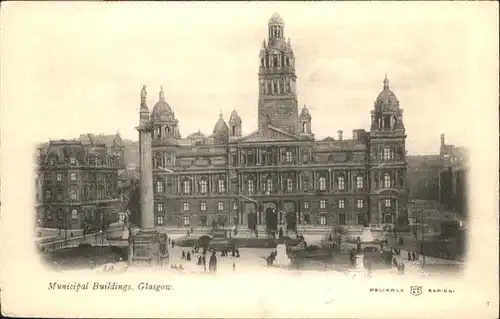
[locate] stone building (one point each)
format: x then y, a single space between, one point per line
423 176
75 182
279 173
453 178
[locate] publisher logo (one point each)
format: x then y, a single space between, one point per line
416 290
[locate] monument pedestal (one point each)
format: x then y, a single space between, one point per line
148 248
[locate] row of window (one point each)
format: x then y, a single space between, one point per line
305 219
73 176
92 160
269 185
48 214
186 206
59 194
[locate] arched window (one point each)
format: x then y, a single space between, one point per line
304 127
322 183
387 180
203 186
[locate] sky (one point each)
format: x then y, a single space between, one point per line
79 67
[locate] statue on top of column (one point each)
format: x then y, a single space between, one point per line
143 95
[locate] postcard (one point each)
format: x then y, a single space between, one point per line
249 159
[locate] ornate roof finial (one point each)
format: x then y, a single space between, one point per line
264 44
220 114
386 82
162 94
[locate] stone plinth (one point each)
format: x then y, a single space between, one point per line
148 247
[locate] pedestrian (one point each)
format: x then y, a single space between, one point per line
402 269
173 243
409 256
183 255
188 256
234 266
212 264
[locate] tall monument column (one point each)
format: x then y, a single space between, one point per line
148 245
146 168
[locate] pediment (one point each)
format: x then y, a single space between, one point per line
387 191
269 133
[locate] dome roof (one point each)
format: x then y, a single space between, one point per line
161 110
221 128
117 141
234 117
276 19
387 97
305 113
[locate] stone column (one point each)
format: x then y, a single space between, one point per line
146 176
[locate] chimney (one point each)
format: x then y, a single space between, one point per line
442 139
340 135
355 134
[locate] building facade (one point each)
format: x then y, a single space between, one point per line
423 176
280 171
453 178
76 182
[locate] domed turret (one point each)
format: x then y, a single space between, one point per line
235 124
387 97
304 114
117 141
276 19
221 128
161 110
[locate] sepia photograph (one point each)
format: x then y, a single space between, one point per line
250 159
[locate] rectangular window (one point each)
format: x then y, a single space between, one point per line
159 220
59 177
221 186
289 185
341 203
49 214
72 160
47 176
359 182
359 203
388 218
159 207
203 186
387 180
187 187
74 214
250 186
306 205
203 206
387 154
322 183
74 194
322 204
289 157
387 203
203 220
186 207
322 219
187 221
269 185
61 214
342 220
160 187
72 177
341 183
235 206
220 206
